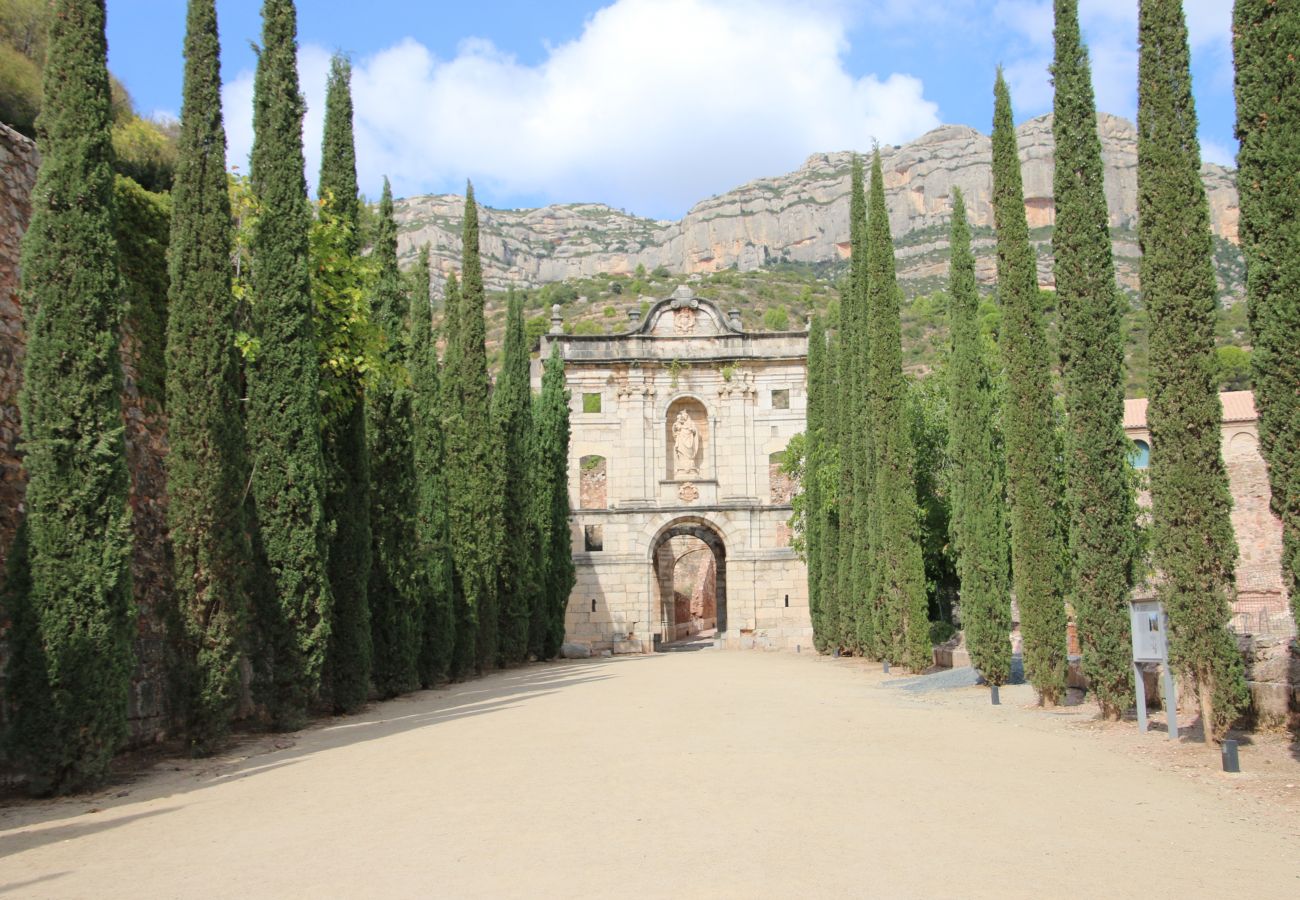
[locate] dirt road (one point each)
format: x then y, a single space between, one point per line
708 774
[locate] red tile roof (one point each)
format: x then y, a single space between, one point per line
1238 406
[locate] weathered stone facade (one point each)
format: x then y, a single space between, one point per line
1261 617
680 412
146 440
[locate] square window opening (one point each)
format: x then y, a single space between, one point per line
593 538
591 403
781 399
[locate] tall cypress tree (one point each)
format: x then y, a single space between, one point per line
1265 35
859 435
396 626
979 530
284 411
345 448
78 521
898 579
207 463
812 494
433 540
475 507
1099 494
550 504
1194 545
511 425
1028 421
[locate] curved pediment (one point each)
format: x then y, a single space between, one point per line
683 314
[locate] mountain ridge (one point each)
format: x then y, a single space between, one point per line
801 216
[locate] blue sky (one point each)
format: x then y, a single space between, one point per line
652 105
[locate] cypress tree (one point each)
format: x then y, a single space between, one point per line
898 579
78 607
859 624
207 461
475 506
284 410
396 625
550 494
344 442
832 464
511 426
813 501
979 531
1194 547
1265 35
1028 421
1099 494
433 541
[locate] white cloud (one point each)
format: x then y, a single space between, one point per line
1110 29
1213 151
657 104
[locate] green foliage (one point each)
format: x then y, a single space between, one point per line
1029 426
20 90
534 328
591 403
1265 35
207 460
512 426
1100 500
433 540
141 227
283 379
898 577
472 464
1232 368
145 153
347 341
78 609
660 272
979 532
1194 546
776 318
397 587
549 510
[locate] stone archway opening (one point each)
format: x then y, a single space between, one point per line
690 567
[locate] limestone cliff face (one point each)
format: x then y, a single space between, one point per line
800 217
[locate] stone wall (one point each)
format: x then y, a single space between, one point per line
146 440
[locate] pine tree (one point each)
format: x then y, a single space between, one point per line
475 507
433 540
550 493
1028 421
512 424
813 497
1194 547
1265 35
1099 493
396 582
207 460
979 531
78 608
284 411
898 567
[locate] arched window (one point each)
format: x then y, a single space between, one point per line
1140 455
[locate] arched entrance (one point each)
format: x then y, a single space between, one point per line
689 559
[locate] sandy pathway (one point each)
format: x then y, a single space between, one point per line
691 774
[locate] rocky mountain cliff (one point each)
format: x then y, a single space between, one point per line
803 216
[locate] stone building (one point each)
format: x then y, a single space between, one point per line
680 510
1261 607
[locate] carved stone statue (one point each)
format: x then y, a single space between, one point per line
686 445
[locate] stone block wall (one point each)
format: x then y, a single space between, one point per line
146 439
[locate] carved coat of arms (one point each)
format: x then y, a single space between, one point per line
684 320
688 493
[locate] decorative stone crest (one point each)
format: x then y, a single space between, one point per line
741 384
688 493
684 320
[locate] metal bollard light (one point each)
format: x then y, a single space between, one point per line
886 667
997 699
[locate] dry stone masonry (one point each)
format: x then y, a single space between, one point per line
680 520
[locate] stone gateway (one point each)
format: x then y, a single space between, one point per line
681 512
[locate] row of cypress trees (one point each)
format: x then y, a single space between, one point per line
1067 503
866 571
344 532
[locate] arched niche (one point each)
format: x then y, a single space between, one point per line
686 431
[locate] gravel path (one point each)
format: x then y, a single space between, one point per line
710 774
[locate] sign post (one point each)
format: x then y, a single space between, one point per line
1150 628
